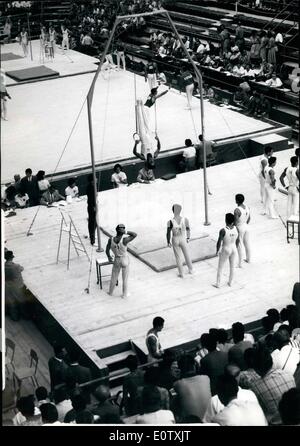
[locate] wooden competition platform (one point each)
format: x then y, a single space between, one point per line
190 305
41 116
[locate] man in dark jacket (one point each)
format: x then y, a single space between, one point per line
213 363
29 186
57 367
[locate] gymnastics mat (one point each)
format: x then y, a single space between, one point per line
9 56
40 72
163 259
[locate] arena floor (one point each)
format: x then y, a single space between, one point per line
41 116
189 306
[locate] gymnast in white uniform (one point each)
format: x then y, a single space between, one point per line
229 239
242 219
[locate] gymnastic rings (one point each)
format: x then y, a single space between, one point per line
136 136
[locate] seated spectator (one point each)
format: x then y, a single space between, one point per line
214 362
264 106
17 182
105 409
236 353
42 396
289 408
267 323
49 414
21 200
119 178
72 190
51 196
87 40
265 72
215 406
77 374
151 378
285 356
248 375
238 69
189 156
282 319
274 82
254 103
43 183
85 417
132 387
236 55
193 391
271 384
25 405
223 344
248 72
237 412
62 402
146 174
152 412
78 404
201 349
169 371
241 97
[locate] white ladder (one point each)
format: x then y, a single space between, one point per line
70 228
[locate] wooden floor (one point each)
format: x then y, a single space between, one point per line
42 116
190 305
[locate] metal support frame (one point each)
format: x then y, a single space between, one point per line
29 35
161 12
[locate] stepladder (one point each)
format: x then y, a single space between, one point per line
67 225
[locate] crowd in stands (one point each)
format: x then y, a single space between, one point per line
242 380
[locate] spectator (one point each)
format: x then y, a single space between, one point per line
239 37
264 106
273 313
248 375
255 47
57 367
267 323
105 408
296 293
119 178
50 196
62 402
17 182
169 371
151 378
282 319
43 184
42 397
271 385
49 414
279 38
17 303
72 190
146 174
155 351
215 406
29 186
201 349
264 41
132 386
223 344
87 40
272 48
213 363
237 412
289 407
236 353
26 407
78 404
153 414
285 356
84 417
274 82
193 391
189 156
75 371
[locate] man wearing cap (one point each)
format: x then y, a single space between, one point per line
118 245
14 287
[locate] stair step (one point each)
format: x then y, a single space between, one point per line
118 357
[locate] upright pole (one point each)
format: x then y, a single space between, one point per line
89 105
29 36
89 108
199 77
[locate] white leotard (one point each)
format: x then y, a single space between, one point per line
229 240
292 176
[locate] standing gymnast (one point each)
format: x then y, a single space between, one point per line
24 41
